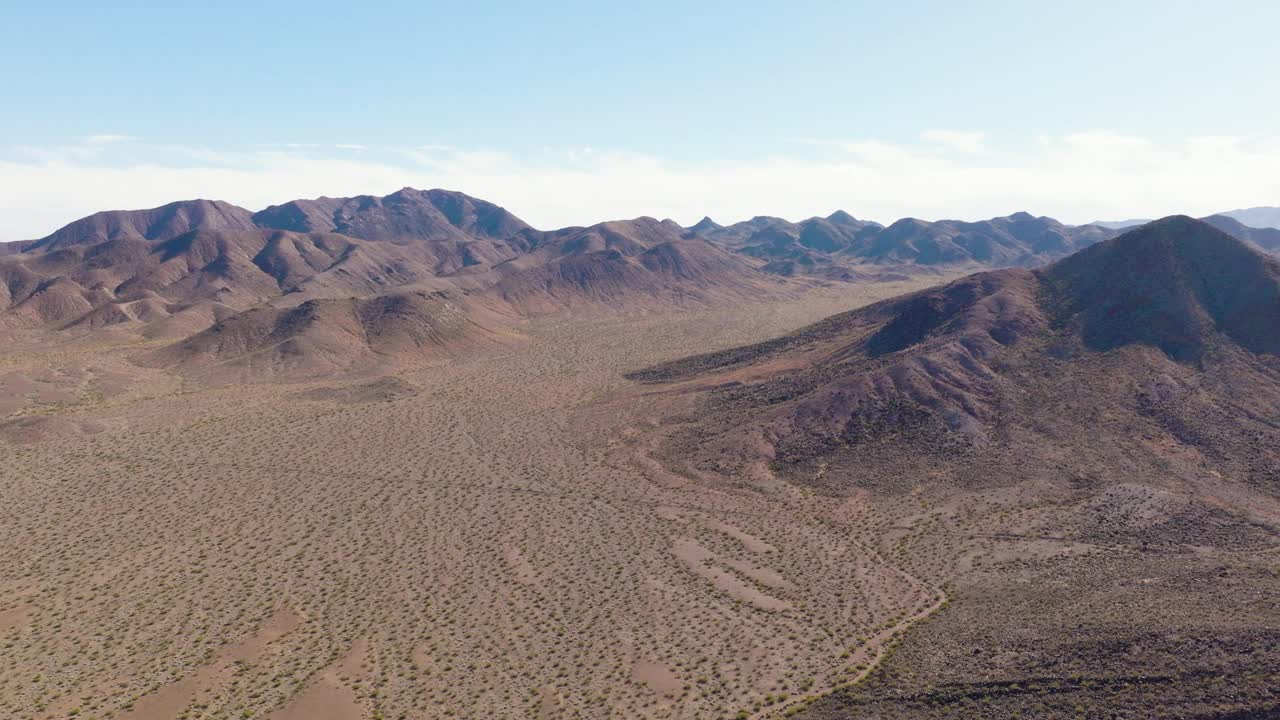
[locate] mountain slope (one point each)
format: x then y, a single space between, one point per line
192 273
452 230
326 337
157 224
1086 457
1267 238
1177 285
204 259
997 365
633 264
406 214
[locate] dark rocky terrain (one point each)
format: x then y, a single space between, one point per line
1096 445
1168 304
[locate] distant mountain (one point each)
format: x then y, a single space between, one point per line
1264 237
1017 240
406 214
1120 224
706 224
176 284
637 263
774 238
156 225
177 270
1257 217
1267 238
842 240
452 229
1168 331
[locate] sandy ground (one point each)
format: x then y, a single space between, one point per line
488 541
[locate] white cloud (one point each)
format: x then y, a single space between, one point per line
351 146
1077 177
959 141
107 138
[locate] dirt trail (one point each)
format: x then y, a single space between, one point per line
879 645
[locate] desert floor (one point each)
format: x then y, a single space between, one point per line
484 538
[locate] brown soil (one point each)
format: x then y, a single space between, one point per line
476 528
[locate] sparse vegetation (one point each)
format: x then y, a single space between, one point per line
443 541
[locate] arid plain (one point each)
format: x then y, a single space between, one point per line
480 537
406 457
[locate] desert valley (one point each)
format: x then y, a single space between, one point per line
408 457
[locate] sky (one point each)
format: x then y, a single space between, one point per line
575 112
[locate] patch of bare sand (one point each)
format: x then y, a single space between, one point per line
329 697
658 677
548 703
750 542
764 576
170 700
521 567
324 699
702 562
14 617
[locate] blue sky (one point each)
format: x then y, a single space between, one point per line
582 111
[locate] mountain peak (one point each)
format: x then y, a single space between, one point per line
1173 283
841 217
706 224
407 214
155 224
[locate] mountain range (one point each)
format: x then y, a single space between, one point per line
1264 236
1256 217
177 269
191 268
1259 217
972 372
840 240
